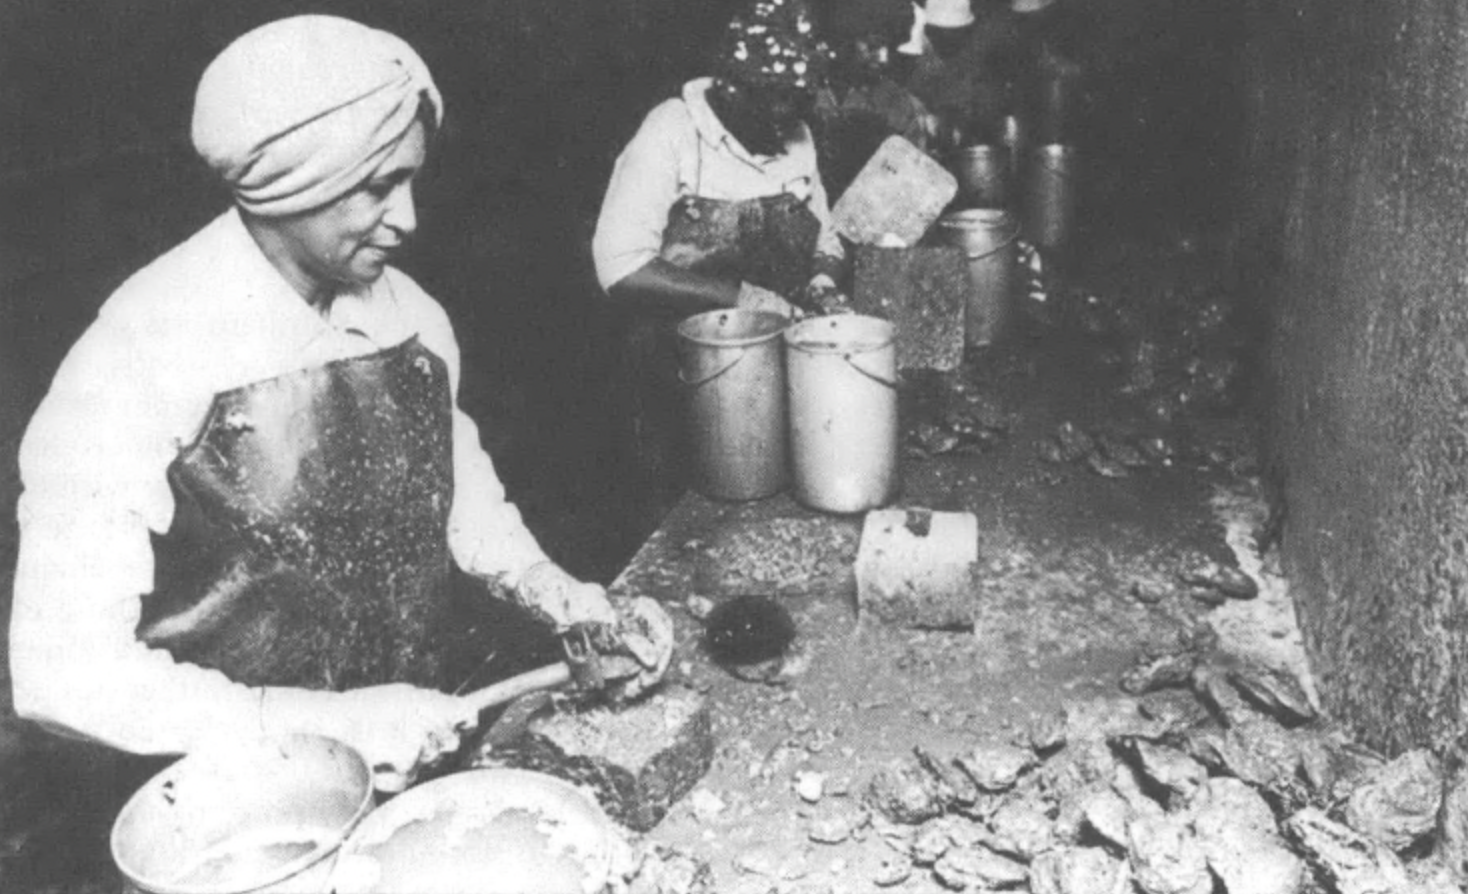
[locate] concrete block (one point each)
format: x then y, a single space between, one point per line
638 760
923 291
914 567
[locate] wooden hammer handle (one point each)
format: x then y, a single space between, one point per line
552 676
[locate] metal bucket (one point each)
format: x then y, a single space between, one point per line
843 412
1057 106
733 370
264 815
987 237
491 831
1016 144
1050 196
983 176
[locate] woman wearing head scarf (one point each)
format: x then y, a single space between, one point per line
966 69
717 202
250 501
866 102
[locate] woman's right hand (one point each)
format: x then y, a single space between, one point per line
753 297
398 728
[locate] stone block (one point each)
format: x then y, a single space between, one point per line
923 291
914 567
637 760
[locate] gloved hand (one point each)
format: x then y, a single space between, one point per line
645 632
932 128
397 727
822 297
752 297
548 589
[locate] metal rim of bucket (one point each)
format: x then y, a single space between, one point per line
687 328
793 336
982 150
558 803
301 864
1052 153
997 215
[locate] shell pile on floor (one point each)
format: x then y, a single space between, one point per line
1215 777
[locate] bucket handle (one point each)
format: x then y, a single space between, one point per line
1008 242
699 383
868 373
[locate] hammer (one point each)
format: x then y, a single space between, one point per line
583 666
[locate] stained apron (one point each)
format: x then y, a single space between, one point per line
309 544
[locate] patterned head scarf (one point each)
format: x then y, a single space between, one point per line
772 43
301 111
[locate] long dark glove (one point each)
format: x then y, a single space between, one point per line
660 285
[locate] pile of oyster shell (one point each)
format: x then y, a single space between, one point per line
1239 787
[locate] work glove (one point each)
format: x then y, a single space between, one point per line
550 591
932 129
645 633
635 637
822 297
398 728
753 297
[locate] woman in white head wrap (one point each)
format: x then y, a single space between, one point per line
249 492
300 111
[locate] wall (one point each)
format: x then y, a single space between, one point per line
1353 230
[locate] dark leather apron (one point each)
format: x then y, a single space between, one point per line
770 242
309 542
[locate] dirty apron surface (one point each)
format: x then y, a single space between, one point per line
309 544
768 241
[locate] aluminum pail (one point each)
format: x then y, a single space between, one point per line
265 815
843 412
733 372
1050 196
987 237
983 176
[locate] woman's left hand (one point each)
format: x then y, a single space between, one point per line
638 628
823 297
549 589
645 631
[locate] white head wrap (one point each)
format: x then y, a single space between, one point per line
298 112
949 13
917 38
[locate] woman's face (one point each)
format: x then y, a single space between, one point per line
783 106
350 241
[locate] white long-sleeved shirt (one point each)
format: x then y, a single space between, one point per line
683 149
210 315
